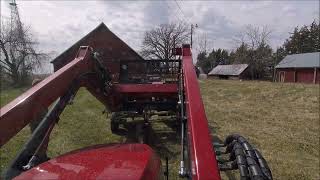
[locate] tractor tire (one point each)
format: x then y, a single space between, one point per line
114 123
143 133
114 127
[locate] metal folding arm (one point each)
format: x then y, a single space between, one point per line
85 70
203 164
25 108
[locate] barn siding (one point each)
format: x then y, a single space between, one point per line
289 75
305 75
302 75
318 76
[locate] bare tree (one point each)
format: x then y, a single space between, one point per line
202 43
19 56
159 42
254 50
256 36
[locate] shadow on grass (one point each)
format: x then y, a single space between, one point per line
213 131
162 140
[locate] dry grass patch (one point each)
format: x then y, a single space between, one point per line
282 120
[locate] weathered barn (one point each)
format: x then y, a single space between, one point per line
302 68
111 48
232 71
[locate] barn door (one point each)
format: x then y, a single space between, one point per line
124 73
282 76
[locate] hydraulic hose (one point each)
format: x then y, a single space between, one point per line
247 159
263 164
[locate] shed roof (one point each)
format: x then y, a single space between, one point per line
231 70
305 60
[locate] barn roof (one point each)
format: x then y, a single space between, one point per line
231 70
91 39
305 60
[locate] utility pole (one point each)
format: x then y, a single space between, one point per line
16 25
15 18
192 27
16 22
274 67
205 43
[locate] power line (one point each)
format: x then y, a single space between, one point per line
174 12
185 17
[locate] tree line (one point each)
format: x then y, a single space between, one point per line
19 57
255 50
253 47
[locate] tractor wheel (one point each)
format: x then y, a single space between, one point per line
114 123
139 133
114 127
143 133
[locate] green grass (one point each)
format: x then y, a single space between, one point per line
9 94
282 120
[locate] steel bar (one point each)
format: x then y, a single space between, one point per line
203 162
19 112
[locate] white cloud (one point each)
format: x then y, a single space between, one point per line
58 24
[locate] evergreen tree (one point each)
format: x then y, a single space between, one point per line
303 40
214 58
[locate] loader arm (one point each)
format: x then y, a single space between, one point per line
25 108
202 158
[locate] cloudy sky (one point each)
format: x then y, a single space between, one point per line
58 24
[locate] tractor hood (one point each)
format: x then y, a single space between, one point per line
120 161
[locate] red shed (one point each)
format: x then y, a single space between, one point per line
110 47
302 68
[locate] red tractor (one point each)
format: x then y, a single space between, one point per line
165 87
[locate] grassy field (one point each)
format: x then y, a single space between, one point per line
282 120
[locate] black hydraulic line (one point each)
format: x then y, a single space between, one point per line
241 163
102 72
241 155
263 164
254 169
238 161
247 159
167 169
182 171
237 149
231 138
247 147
